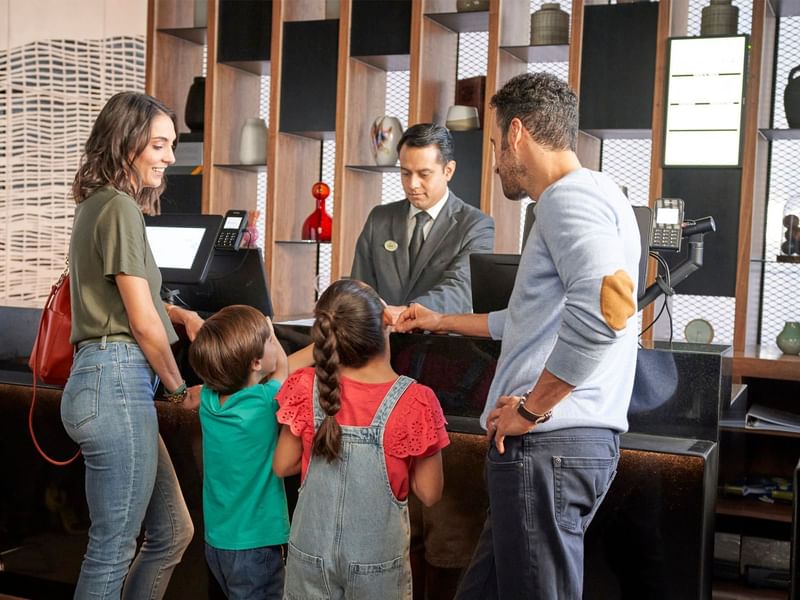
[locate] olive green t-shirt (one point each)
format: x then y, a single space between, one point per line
108 238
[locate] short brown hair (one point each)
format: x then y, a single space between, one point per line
546 105
226 345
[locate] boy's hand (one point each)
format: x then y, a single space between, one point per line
192 401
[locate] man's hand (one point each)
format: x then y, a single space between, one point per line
417 316
505 420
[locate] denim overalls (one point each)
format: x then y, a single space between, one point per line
350 535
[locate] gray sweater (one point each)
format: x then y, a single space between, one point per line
568 312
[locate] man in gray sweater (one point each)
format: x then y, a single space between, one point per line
563 382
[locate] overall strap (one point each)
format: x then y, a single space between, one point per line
319 414
390 400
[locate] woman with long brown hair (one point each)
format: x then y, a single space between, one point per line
362 437
123 332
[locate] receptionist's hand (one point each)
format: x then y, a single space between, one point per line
395 312
417 316
505 420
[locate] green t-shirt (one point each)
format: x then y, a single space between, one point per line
244 502
108 238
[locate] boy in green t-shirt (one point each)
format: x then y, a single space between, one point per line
242 366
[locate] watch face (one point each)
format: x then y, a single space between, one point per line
698 331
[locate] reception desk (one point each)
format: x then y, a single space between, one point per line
652 538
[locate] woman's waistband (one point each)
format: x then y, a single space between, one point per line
114 337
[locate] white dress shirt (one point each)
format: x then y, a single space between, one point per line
433 211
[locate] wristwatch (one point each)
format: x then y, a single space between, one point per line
531 416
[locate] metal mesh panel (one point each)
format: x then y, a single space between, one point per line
717 310
472 54
781 291
55 90
781 285
261 187
788 58
328 164
397 83
627 162
695 14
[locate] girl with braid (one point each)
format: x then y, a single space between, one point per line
362 437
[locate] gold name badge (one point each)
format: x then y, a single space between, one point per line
390 245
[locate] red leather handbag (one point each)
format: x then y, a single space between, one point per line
51 357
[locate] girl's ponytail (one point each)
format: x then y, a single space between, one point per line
328 438
348 331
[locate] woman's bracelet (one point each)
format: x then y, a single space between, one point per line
178 396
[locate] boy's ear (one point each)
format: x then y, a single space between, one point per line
255 364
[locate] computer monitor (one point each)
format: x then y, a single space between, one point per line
233 278
530 217
182 245
493 275
492 279
645 222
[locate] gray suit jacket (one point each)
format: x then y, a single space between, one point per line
440 280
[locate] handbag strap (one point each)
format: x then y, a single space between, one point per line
52 461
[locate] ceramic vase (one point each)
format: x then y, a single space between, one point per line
200 13
719 18
791 227
318 225
791 99
194 114
253 142
788 339
384 135
471 5
549 25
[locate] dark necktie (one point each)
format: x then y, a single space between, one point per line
417 239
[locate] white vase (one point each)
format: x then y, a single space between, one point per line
200 13
253 145
384 135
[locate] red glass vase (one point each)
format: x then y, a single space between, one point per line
318 225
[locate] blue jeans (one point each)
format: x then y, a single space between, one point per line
543 493
107 408
255 574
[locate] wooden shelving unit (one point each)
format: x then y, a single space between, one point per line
727 590
766 362
754 509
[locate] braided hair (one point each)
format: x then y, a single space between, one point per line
348 331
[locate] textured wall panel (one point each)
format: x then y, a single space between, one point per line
51 93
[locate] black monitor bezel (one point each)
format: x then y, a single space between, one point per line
202 259
487 263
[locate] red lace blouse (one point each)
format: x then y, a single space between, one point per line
416 427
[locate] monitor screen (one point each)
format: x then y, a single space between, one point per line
233 278
182 245
705 95
492 279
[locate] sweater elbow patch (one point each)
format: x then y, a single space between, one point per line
616 299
